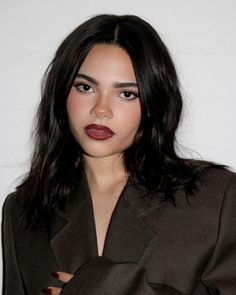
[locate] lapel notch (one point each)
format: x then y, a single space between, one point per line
74 240
129 237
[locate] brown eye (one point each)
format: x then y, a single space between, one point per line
85 87
128 95
82 87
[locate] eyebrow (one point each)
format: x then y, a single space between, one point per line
115 85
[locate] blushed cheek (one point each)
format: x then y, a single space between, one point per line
75 107
134 119
71 103
73 112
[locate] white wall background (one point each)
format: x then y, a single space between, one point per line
201 36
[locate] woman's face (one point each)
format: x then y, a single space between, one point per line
103 104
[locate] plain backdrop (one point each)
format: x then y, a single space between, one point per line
201 36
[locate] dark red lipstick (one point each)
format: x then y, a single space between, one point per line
98 132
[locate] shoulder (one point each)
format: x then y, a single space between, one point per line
209 176
217 179
215 187
13 207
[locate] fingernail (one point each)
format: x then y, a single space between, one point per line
47 291
55 274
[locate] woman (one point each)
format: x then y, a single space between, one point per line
108 207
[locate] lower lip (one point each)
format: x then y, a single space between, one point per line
98 134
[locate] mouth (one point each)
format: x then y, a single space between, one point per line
98 132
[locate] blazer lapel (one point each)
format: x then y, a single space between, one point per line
129 237
73 238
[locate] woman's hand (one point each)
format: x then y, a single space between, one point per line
62 276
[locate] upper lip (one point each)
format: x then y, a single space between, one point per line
99 127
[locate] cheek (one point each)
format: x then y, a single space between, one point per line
75 110
133 118
75 107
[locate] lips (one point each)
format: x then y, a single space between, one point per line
98 132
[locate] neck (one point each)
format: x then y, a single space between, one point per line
105 172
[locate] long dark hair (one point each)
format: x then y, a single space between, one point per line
57 159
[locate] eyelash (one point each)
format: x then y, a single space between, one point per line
134 95
79 84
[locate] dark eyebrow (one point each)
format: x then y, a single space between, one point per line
125 84
116 85
88 78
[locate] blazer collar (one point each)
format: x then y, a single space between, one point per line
129 238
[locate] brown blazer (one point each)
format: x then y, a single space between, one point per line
151 247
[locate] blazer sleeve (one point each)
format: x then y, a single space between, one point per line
220 272
101 275
12 281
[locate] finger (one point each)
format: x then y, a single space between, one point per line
55 291
63 276
52 291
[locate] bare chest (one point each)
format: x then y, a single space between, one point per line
103 208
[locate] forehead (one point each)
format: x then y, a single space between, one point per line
108 60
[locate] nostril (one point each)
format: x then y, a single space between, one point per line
101 112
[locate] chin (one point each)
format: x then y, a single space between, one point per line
99 154
103 149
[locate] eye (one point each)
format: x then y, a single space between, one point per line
128 95
83 87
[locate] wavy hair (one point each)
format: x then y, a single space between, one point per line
57 158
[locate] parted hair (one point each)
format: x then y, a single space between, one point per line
151 160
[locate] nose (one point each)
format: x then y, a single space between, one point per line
102 108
